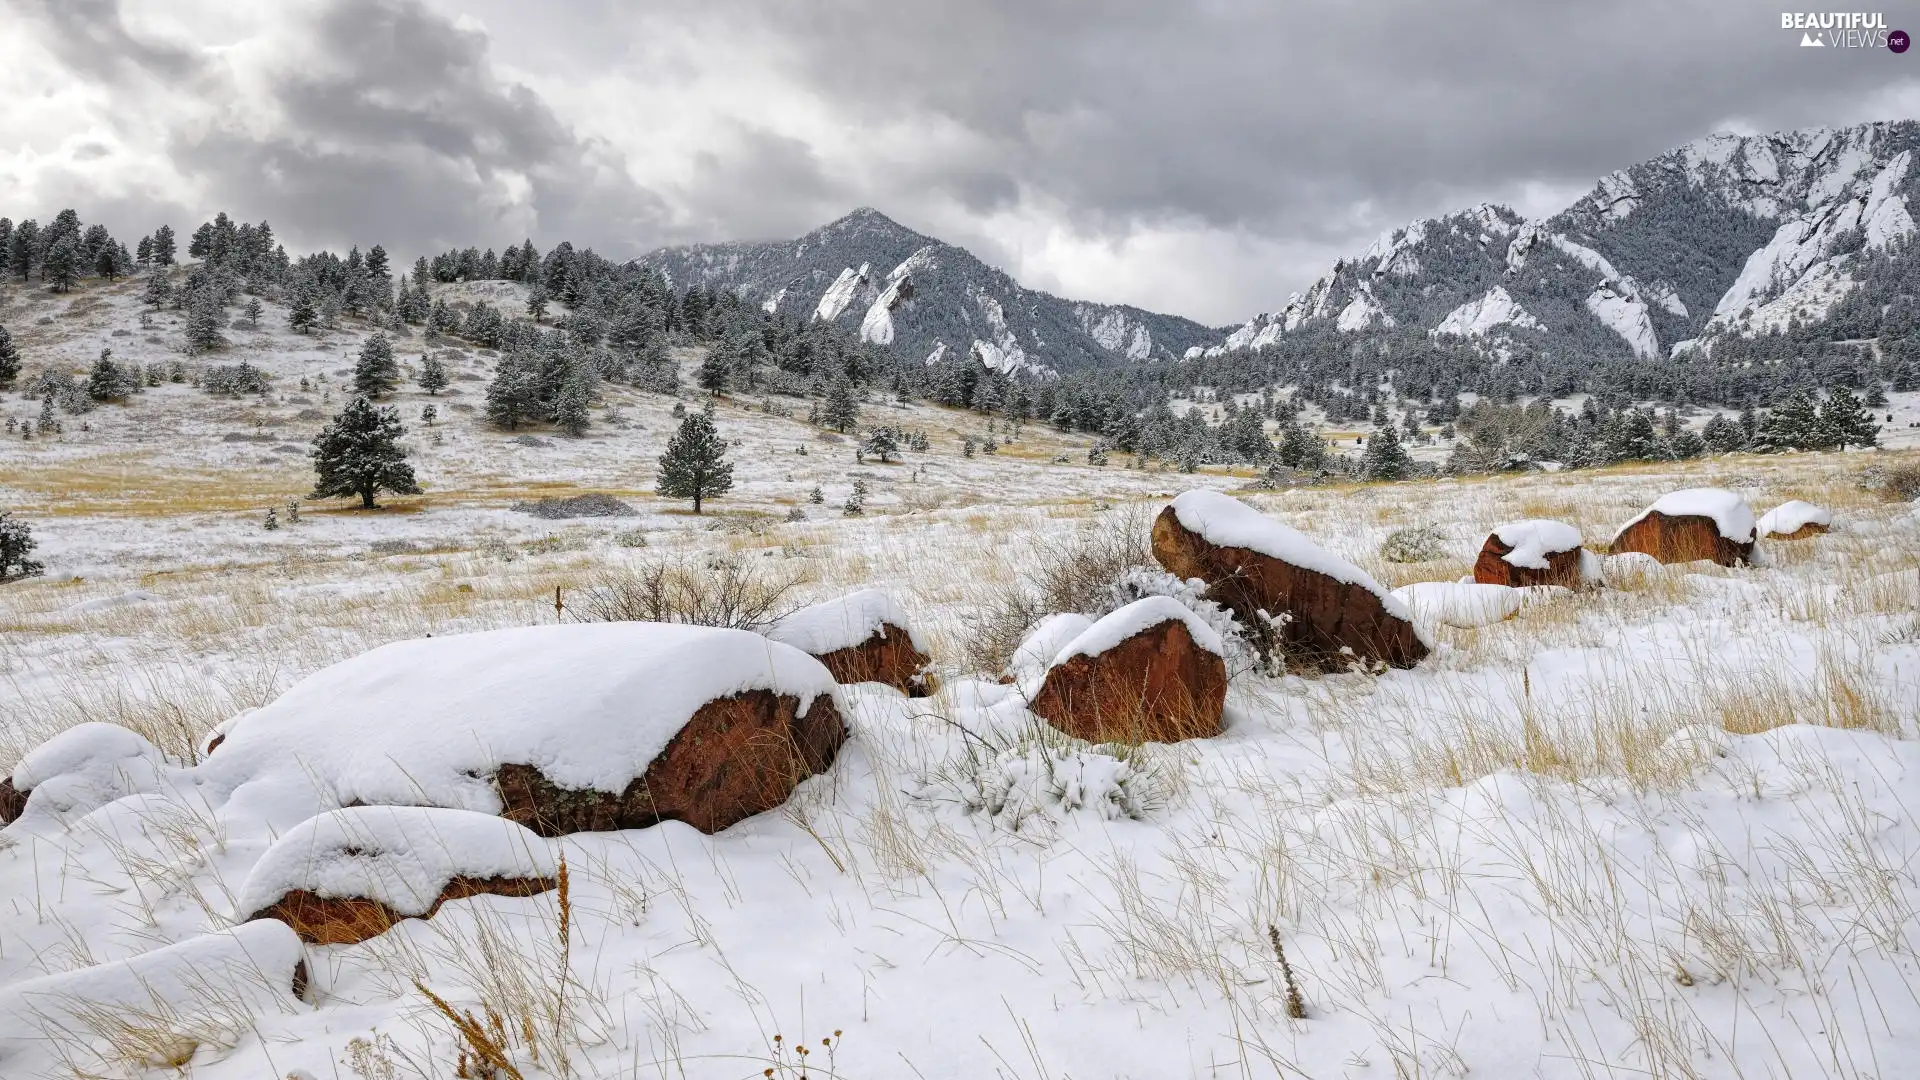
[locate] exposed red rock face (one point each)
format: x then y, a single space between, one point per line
1681 538
1492 568
886 657
1157 686
736 757
1328 615
321 920
1810 529
12 803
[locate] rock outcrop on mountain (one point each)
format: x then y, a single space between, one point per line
922 298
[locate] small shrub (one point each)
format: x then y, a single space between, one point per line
726 591
1901 481
1422 544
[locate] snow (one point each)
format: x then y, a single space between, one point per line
82 768
1137 618
1729 511
109 603
1362 311
1626 316
1476 318
1053 634
1794 271
844 623
1461 604
1790 517
429 721
1534 539
772 303
877 327
1615 196
400 856
1225 521
840 293
1114 331
202 991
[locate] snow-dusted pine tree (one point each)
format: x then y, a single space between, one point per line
1845 421
841 412
433 374
16 543
9 360
1385 458
359 453
695 465
376 372
1794 424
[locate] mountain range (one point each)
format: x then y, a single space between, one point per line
1727 235
928 299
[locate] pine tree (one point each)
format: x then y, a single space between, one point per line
715 372
882 443
302 315
433 374
841 412
16 543
1385 458
163 246
9 360
159 290
537 303
1845 421
511 400
572 406
204 315
856 503
1794 424
1722 436
375 373
1301 449
273 520
695 466
253 312
359 453
62 266
1630 437
108 381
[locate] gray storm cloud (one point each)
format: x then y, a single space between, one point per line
1201 157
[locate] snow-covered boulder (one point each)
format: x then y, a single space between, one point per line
1688 526
566 728
79 770
1794 520
1035 654
200 992
1336 612
1534 552
351 874
1152 671
863 637
1463 604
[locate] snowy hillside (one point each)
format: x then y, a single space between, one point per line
921 297
1727 235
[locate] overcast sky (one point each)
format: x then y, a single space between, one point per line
1204 157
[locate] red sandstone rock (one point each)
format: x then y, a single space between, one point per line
1158 685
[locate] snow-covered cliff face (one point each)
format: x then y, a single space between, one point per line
921 297
1725 235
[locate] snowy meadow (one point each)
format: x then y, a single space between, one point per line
1663 825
